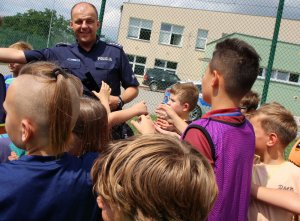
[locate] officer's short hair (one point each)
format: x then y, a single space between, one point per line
93 6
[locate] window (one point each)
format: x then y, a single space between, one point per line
201 39
171 34
138 64
166 65
280 76
139 29
294 78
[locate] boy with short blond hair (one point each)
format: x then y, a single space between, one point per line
183 99
224 135
153 178
274 128
187 94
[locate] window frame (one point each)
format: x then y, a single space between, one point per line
274 76
140 28
172 34
134 63
166 66
201 38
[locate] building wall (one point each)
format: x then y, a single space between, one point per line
217 23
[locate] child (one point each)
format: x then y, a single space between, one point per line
42 106
91 132
249 103
183 99
274 128
16 67
153 178
223 135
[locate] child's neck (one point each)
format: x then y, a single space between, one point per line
223 102
184 116
272 156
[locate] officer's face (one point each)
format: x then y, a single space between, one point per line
84 24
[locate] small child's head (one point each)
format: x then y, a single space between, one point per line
42 107
183 97
153 178
237 63
249 102
91 131
16 67
273 125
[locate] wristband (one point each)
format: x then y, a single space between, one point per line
120 103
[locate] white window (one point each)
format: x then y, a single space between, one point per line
166 65
280 76
139 29
171 34
138 64
201 39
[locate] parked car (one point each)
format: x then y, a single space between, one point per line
158 79
202 106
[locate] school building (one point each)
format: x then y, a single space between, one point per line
180 40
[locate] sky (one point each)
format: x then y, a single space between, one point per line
112 10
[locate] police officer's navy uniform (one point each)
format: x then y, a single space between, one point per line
105 61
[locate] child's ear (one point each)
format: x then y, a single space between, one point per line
215 78
26 130
272 139
100 202
186 107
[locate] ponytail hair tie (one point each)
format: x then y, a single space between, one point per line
58 71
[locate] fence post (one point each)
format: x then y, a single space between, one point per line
101 15
272 51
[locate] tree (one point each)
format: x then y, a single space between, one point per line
34 26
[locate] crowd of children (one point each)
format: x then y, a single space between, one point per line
207 169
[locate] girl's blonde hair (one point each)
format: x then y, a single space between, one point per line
156 177
61 93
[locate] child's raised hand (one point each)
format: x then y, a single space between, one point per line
140 108
104 93
164 111
144 125
165 124
162 131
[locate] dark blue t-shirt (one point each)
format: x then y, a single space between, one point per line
105 61
48 188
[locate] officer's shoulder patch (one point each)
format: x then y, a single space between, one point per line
114 44
62 44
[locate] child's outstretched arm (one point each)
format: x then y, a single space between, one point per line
103 95
121 116
164 111
281 198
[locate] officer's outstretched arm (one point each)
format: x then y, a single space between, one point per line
129 94
12 55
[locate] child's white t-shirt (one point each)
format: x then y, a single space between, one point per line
283 176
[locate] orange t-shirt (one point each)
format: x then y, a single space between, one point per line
294 156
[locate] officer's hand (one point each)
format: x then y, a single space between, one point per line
113 102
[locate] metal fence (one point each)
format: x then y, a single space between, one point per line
176 36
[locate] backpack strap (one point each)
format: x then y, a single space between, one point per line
207 136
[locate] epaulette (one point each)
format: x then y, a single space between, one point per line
114 44
62 44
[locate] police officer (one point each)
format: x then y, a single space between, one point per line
89 56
